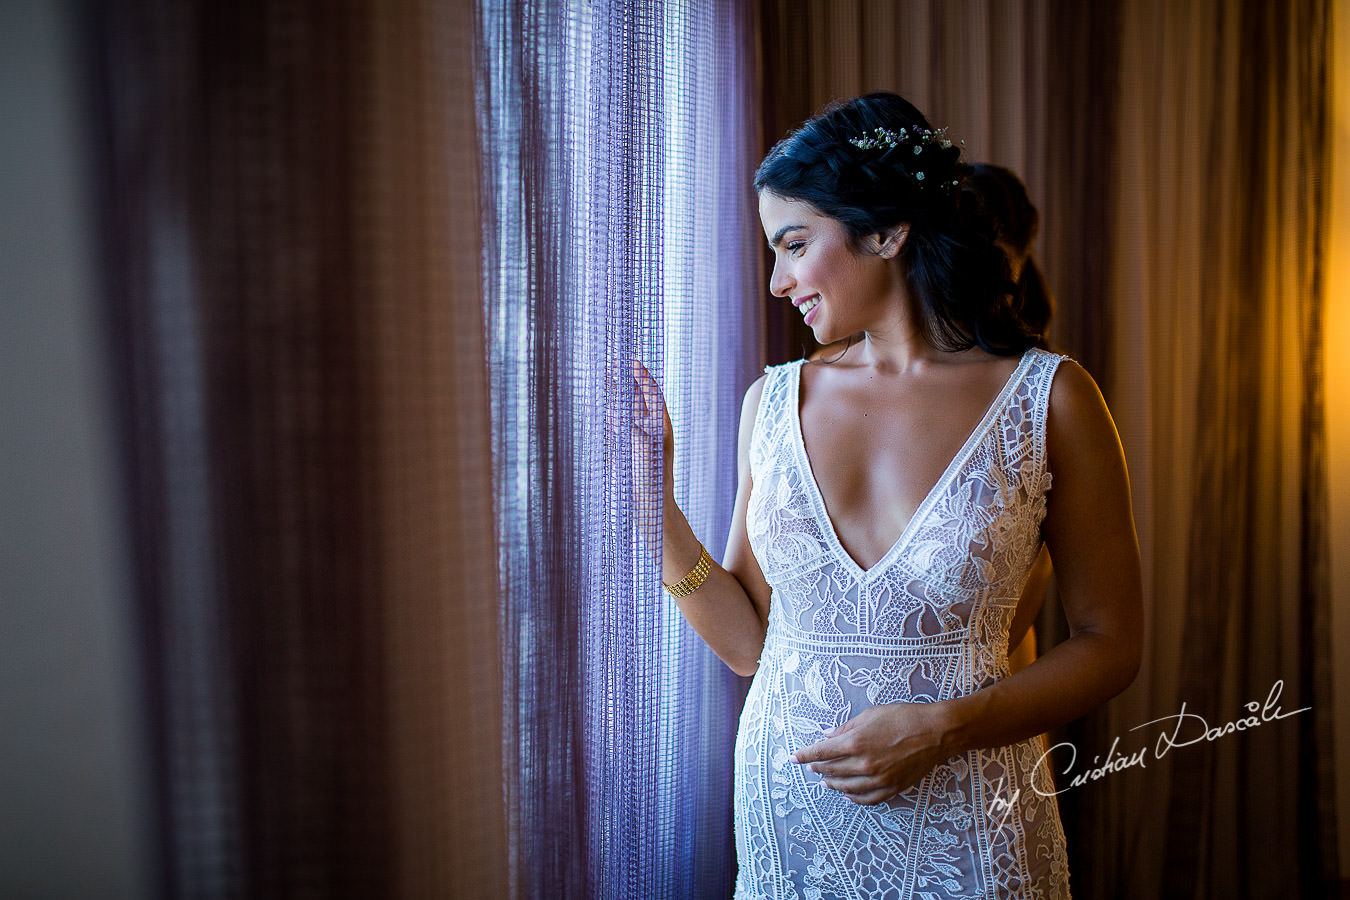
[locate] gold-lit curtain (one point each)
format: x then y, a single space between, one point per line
292 254
1214 338
1178 155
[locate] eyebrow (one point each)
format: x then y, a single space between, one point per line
778 238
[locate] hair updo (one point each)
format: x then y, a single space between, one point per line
1017 221
874 162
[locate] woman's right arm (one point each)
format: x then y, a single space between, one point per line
730 610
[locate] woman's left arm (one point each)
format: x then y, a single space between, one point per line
1089 529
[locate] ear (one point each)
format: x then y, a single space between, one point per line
891 242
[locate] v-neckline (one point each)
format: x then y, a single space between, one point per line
955 465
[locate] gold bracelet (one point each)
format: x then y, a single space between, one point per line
694 580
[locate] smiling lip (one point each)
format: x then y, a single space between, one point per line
811 303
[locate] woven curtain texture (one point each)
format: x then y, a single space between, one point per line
1214 338
1178 154
292 260
617 148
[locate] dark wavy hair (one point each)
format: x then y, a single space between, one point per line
1017 221
960 277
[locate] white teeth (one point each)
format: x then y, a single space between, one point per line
809 305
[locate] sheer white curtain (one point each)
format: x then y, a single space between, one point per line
620 226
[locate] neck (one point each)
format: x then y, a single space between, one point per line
895 344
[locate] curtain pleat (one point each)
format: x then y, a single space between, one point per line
619 225
1216 359
712 297
440 585
1178 155
291 256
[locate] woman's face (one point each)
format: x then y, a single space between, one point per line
838 290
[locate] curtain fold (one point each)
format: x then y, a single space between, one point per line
374 273
619 221
1215 343
1178 155
291 256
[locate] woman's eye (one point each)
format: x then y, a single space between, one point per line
795 246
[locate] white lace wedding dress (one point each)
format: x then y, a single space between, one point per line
927 622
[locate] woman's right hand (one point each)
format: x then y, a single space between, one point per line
730 607
651 420
651 404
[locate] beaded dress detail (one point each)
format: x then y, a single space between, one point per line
929 621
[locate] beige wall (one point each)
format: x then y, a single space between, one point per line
1338 412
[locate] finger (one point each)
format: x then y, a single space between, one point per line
655 415
853 784
842 766
644 380
849 725
819 752
649 409
807 755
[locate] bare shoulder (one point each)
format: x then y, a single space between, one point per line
752 395
1091 492
749 411
750 405
1074 388
1078 419
1089 522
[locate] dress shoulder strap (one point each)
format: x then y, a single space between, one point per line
1039 378
771 418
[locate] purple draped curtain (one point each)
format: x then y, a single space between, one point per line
373 271
291 254
620 226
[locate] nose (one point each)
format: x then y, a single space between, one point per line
780 282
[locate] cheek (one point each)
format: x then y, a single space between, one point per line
828 273
852 279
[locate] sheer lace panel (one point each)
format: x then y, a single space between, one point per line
929 621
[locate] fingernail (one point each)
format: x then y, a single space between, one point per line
794 758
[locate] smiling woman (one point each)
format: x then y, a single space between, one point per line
831 269
891 502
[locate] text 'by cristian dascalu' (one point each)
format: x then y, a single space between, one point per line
1182 729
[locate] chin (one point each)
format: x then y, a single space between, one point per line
823 335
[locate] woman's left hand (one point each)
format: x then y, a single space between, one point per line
881 751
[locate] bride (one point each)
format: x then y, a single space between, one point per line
891 501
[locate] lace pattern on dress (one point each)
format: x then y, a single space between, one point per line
929 621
